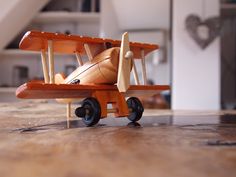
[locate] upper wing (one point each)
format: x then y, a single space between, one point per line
34 90
69 44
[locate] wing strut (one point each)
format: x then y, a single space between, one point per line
144 73
135 74
79 59
45 67
51 62
88 51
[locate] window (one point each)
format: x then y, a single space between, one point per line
20 75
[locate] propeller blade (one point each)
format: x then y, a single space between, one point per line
125 62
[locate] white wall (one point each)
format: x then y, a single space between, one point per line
148 14
109 27
157 71
142 19
196 72
15 15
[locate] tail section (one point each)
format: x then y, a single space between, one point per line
60 78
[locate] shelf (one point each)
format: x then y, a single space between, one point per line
230 6
17 52
7 89
228 10
55 17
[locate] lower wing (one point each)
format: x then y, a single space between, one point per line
37 90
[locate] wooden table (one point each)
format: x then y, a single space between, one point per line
34 141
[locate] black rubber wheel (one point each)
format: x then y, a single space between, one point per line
90 111
137 109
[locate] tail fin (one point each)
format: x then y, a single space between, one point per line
60 78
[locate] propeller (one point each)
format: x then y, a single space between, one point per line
125 63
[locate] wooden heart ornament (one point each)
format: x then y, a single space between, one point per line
203 32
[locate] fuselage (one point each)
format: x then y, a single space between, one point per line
102 69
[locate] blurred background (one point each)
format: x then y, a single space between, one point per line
197 40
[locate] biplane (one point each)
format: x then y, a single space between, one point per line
104 79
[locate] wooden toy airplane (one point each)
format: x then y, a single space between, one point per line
103 80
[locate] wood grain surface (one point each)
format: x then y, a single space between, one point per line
35 142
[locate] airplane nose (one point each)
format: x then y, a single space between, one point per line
129 55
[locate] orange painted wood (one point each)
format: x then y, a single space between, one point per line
114 97
68 44
39 90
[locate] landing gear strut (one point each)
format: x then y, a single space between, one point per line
91 112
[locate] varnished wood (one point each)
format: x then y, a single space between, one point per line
44 66
135 74
103 67
111 110
79 59
36 142
68 110
88 51
114 97
59 78
34 90
68 44
101 70
123 76
51 62
144 72
68 114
